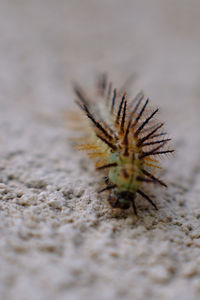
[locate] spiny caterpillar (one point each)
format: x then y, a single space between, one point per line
125 138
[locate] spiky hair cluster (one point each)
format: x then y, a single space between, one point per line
125 138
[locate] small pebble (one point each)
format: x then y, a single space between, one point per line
190 270
27 200
159 274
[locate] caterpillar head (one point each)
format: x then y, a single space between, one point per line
121 200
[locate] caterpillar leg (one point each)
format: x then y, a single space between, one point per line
106 180
114 203
134 207
147 198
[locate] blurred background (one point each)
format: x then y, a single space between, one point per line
47 44
44 44
52 208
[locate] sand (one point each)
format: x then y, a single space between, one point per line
59 238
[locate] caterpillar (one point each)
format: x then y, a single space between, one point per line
126 140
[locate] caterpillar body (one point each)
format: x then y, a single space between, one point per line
125 139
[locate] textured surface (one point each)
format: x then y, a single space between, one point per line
59 239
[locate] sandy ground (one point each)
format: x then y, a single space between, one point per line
59 239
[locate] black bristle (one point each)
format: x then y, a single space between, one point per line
147 198
109 90
145 122
140 113
157 135
125 141
123 117
109 187
104 83
142 140
143 179
113 147
156 142
120 109
107 166
80 94
160 152
152 151
154 178
96 123
139 97
113 100
134 207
